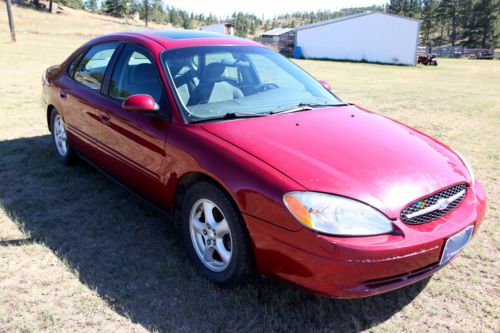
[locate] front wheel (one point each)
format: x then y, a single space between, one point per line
215 235
59 136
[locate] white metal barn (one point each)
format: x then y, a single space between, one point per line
371 36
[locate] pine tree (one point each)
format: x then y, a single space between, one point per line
394 7
92 6
487 13
174 17
414 8
449 16
116 8
187 23
157 14
428 18
76 4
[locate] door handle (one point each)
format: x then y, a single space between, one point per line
62 93
104 116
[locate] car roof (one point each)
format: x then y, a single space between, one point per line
181 38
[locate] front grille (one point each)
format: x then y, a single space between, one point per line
431 202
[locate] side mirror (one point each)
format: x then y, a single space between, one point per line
141 103
325 84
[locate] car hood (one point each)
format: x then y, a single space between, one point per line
348 151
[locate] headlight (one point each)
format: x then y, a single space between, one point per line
336 215
467 165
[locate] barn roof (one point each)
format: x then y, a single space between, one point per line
277 32
349 17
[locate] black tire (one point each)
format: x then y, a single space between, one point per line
434 63
70 156
241 265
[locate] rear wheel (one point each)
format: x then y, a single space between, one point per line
215 235
60 142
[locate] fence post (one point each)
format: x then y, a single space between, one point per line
11 21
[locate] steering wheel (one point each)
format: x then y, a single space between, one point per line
267 86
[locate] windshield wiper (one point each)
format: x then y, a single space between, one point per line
230 115
306 107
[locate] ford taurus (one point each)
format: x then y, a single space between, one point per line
263 167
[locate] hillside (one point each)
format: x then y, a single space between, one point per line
476 25
68 22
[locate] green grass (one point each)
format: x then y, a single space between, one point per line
77 253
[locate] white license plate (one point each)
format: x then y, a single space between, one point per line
456 243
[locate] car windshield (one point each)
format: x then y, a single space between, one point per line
214 81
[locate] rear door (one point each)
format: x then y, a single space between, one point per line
81 94
134 142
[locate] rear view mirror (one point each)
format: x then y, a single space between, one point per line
325 84
140 102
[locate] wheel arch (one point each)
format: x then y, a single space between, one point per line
50 108
189 179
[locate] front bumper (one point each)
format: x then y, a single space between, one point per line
352 267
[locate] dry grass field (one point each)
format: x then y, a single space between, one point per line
77 253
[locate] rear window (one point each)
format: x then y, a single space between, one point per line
74 63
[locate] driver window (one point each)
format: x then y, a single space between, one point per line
135 74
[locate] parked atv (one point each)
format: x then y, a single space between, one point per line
427 59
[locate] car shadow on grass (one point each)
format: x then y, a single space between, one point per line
133 257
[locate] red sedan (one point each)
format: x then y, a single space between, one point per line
262 166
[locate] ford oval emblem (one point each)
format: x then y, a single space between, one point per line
442 204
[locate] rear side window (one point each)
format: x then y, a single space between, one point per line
90 71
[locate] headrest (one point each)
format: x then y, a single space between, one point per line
143 73
213 72
176 65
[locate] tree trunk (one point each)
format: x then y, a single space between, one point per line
485 37
454 25
11 21
427 36
50 6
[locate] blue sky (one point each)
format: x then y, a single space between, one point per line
268 8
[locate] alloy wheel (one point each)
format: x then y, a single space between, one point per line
211 235
60 138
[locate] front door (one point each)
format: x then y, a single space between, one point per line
134 142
